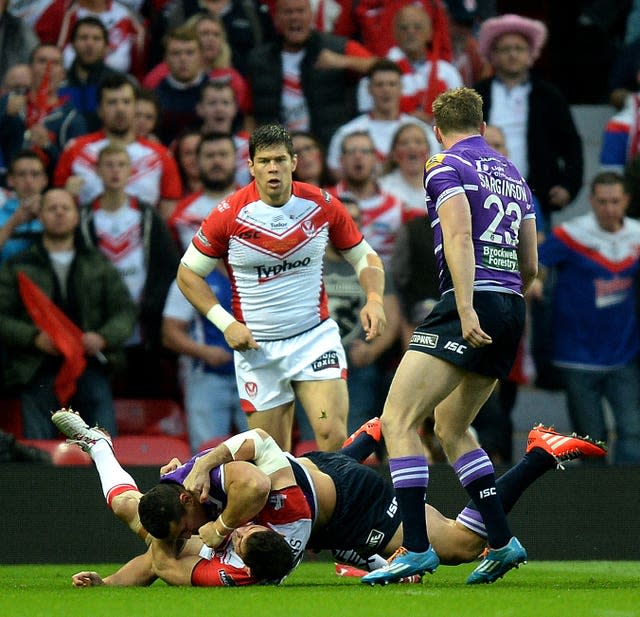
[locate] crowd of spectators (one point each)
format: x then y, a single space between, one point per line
138 113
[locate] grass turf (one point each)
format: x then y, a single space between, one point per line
539 589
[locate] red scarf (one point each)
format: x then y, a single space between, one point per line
66 336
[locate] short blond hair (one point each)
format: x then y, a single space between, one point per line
458 111
113 147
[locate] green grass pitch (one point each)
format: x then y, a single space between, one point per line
538 589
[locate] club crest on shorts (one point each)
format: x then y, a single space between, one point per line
424 339
329 359
251 388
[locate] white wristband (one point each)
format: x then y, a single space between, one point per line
220 318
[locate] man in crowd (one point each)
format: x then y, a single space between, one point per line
382 121
596 260
134 237
19 215
304 78
542 138
216 159
41 119
86 287
382 213
154 179
90 42
179 92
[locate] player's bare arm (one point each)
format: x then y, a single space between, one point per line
455 221
370 271
171 568
528 253
138 572
191 282
254 446
247 491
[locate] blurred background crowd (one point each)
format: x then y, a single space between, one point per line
124 122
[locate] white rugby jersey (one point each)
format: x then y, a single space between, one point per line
119 238
381 217
154 173
125 35
185 220
274 256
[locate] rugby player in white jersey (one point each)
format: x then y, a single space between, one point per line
272 236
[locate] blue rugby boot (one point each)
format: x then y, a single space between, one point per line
498 562
403 563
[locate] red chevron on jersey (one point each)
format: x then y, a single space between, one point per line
274 255
154 173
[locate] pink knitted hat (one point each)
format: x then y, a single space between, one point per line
532 29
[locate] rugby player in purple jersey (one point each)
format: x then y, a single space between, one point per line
481 212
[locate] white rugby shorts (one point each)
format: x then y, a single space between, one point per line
264 375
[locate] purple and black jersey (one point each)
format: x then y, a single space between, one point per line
217 499
499 199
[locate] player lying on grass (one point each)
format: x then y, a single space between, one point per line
353 506
167 516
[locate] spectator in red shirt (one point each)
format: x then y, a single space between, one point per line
126 33
370 21
154 178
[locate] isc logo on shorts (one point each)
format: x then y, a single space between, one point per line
422 339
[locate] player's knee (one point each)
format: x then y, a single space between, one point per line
125 507
330 438
396 424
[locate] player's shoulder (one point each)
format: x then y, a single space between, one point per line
438 160
313 193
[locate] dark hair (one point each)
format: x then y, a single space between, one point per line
268 555
218 85
145 94
115 81
213 137
89 20
359 133
384 64
608 177
268 136
325 175
40 46
159 507
24 154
